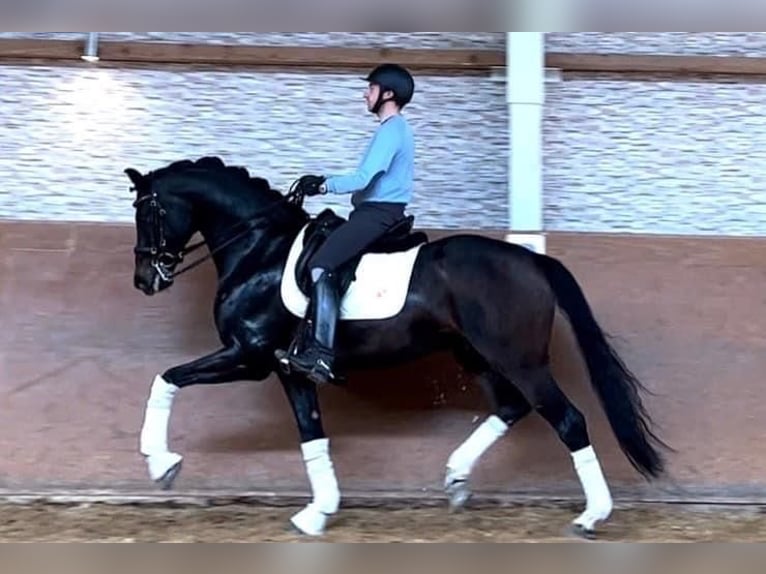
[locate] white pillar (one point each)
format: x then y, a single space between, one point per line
90 54
525 95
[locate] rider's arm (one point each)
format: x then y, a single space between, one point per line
380 153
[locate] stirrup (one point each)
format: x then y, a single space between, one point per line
314 362
283 357
320 373
282 361
311 362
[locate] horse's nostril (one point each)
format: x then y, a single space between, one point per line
139 282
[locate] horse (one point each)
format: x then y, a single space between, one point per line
488 302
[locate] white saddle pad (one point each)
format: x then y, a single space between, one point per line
378 292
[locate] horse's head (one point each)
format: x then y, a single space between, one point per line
164 225
221 202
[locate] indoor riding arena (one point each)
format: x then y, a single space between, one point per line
636 159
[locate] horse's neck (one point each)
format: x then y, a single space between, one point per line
235 228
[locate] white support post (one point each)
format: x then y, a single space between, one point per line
525 95
90 54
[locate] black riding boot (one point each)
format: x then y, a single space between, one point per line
316 359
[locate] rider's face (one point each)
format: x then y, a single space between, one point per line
371 95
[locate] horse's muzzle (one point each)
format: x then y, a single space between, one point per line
144 284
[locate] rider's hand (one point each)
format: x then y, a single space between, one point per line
312 185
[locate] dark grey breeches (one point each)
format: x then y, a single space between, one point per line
366 223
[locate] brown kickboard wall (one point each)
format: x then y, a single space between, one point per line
80 347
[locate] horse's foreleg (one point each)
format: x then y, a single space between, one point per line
219 367
163 464
302 395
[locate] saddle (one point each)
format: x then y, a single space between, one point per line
399 237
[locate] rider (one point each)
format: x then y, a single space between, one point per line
382 187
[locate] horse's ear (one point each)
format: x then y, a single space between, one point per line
135 176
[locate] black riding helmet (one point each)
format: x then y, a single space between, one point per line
395 78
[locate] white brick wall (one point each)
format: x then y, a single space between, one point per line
640 156
69 132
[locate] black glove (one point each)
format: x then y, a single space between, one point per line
309 184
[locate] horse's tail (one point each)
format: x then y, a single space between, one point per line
617 388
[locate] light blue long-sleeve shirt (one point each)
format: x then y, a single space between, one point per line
386 172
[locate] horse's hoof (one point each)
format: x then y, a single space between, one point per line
166 480
309 522
583 532
163 467
459 494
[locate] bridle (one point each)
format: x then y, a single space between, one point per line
163 258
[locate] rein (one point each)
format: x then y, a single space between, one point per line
162 258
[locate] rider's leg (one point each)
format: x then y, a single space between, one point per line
367 223
316 359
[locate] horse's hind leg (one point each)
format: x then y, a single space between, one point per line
509 406
541 389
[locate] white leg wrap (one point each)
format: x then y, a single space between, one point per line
324 486
464 457
598 505
154 433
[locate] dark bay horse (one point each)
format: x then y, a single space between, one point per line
489 302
